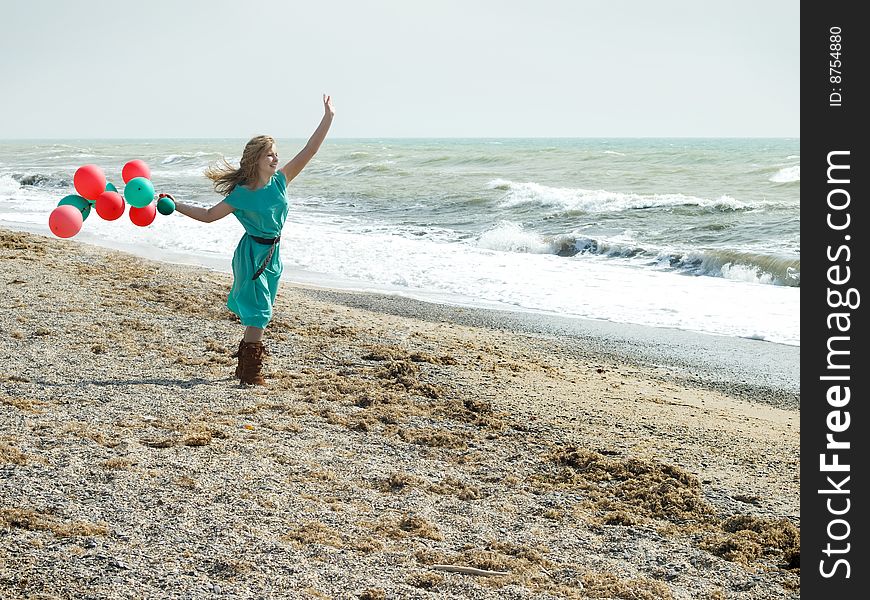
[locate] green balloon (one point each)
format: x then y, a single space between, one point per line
165 206
80 203
110 187
139 192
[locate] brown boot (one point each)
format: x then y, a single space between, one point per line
238 355
251 363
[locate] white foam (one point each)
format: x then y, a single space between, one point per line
512 237
588 286
746 273
787 175
600 201
8 187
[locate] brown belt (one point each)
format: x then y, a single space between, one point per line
269 242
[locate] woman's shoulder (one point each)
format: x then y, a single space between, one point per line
280 179
237 196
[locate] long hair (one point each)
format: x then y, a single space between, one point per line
226 177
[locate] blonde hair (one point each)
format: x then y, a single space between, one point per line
226 177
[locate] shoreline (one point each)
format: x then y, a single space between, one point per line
221 263
767 372
393 436
750 369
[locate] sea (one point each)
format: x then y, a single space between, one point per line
674 233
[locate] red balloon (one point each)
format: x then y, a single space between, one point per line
143 216
89 181
109 205
135 168
65 221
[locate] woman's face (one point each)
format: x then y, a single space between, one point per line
268 163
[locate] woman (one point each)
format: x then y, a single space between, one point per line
256 193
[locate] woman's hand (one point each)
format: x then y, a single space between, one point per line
328 109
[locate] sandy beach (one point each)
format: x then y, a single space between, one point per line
400 449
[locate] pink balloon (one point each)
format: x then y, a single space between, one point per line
89 181
135 168
65 221
143 216
109 205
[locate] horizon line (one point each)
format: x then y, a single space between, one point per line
542 137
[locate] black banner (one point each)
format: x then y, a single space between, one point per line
834 359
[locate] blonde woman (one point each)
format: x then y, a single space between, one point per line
256 193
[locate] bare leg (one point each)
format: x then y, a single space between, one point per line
253 334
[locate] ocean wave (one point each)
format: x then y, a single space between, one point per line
578 200
434 160
338 170
499 184
464 159
787 175
8 186
509 236
62 151
485 160
742 266
30 197
176 159
41 180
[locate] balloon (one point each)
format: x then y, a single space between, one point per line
80 203
135 168
143 215
165 206
89 181
109 205
110 187
65 221
139 192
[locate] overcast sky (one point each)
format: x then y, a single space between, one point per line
399 68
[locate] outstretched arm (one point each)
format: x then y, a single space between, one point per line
206 215
298 162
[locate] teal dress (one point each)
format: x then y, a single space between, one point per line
262 213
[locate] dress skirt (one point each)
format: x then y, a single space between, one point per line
252 299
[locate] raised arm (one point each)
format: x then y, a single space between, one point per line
298 162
